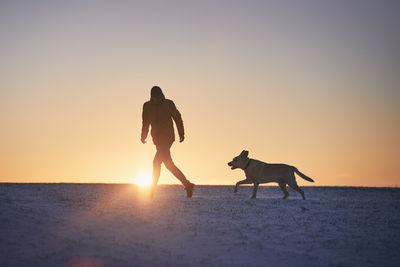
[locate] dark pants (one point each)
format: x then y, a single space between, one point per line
163 155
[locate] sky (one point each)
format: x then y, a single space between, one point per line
314 84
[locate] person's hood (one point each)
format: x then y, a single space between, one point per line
157 95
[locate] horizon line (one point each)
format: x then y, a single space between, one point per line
267 185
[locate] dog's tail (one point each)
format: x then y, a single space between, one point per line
303 175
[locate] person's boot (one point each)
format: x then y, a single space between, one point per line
151 194
152 189
189 190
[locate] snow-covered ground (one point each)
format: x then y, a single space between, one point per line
116 225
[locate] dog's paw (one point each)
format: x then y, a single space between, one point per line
235 191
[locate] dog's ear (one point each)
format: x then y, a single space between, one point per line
244 153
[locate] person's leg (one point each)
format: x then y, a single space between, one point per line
170 165
164 155
156 171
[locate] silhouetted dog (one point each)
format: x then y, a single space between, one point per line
258 172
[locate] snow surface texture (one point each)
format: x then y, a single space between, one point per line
116 225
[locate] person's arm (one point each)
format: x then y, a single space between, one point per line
176 115
145 124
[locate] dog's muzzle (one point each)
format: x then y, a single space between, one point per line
232 167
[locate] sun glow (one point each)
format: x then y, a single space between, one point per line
143 179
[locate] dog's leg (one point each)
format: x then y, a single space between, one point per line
255 188
245 181
292 183
284 190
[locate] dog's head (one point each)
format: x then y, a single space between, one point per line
239 161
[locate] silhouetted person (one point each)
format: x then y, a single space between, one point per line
159 113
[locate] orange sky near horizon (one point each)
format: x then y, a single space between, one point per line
314 85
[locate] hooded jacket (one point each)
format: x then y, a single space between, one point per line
159 113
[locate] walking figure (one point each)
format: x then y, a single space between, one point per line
159 113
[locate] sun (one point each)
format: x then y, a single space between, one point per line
143 179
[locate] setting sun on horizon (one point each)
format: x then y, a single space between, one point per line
143 179
314 84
